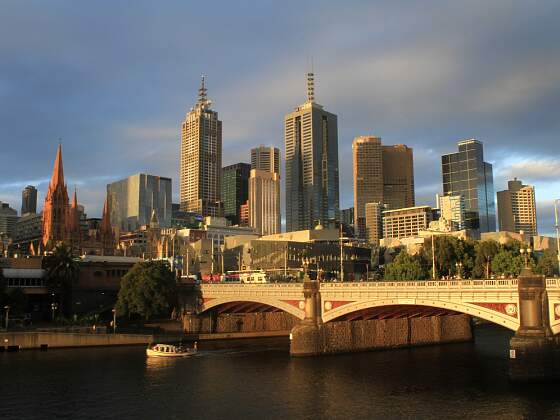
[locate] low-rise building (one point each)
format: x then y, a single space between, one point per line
406 222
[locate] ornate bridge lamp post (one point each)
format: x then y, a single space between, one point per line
526 253
7 309
54 307
459 266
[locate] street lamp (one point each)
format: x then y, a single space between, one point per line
54 307
7 308
526 253
459 266
114 320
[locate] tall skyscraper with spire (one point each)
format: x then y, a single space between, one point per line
56 206
201 158
311 142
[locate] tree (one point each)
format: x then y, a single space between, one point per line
148 289
547 264
406 267
62 272
485 252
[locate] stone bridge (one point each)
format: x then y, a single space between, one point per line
496 301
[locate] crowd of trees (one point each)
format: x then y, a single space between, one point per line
457 258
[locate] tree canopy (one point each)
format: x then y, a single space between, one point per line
148 289
406 267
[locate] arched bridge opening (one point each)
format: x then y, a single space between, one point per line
394 312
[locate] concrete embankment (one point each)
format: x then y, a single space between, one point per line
346 336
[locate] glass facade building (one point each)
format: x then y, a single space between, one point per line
132 200
466 173
235 190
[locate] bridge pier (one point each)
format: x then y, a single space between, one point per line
306 338
534 350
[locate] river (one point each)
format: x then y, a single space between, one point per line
450 381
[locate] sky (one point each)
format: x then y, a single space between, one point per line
112 81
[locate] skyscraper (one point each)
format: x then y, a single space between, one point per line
132 200
8 219
367 158
382 174
264 202
264 190
235 190
516 208
29 200
398 176
201 159
265 158
466 173
311 142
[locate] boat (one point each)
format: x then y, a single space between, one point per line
169 350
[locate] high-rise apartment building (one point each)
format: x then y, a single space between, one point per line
201 159
266 158
264 202
29 200
452 209
382 174
516 208
466 173
132 200
311 142
235 190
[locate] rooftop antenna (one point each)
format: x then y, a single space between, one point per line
311 84
202 92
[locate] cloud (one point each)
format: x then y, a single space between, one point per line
533 170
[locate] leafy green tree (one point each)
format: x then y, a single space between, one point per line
147 290
406 267
485 252
547 264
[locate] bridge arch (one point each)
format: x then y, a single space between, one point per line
508 321
290 306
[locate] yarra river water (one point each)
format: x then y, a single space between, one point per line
451 381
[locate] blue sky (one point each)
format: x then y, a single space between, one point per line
113 80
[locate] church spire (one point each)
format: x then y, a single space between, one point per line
58 170
106 218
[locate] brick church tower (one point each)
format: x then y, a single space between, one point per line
55 210
73 231
106 232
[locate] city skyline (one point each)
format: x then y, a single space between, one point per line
372 99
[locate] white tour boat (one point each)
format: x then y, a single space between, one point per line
169 350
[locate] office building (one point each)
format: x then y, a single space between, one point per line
382 174
311 142
398 176
466 173
265 158
8 219
452 210
132 200
516 208
374 222
29 200
264 202
406 222
347 217
201 159
235 190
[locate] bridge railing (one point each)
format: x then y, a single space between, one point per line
431 284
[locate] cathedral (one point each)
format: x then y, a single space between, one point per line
62 221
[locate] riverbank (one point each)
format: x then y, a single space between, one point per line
43 340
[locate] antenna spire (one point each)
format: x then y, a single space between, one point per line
311 86
202 92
